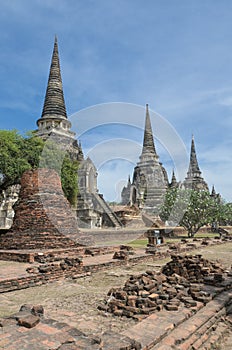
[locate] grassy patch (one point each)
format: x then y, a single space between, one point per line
139 243
206 234
142 243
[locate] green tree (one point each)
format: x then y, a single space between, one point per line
191 209
52 156
16 156
168 205
226 216
198 213
32 149
20 153
69 179
217 211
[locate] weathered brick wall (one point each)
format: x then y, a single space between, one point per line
54 254
43 216
11 255
56 271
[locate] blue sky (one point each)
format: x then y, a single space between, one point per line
173 54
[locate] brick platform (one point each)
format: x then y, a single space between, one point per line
29 330
51 255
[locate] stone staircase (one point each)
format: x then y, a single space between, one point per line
111 216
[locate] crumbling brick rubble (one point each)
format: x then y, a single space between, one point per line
70 265
124 252
178 283
194 268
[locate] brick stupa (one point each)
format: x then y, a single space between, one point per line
43 216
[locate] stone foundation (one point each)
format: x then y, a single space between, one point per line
51 272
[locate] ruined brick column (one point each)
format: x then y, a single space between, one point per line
43 216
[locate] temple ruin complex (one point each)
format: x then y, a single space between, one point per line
149 183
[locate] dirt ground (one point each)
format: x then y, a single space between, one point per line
75 301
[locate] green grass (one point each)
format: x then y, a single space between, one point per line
139 243
142 242
206 234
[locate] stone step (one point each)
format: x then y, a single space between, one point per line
107 210
179 330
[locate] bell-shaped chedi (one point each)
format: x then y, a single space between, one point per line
43 216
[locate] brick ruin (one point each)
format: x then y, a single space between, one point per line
31 324
185 306
177 284
43 216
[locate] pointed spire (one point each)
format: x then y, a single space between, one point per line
81 154
54 105
194 180
173 181
129 180
193 164
213 193
148 141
